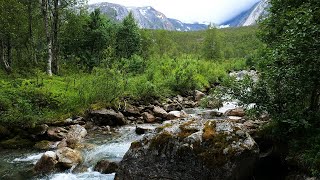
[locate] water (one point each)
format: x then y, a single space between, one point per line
16 164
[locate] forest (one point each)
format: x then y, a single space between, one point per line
59 60
52 70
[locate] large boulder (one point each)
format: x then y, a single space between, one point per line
47 163
68 157
75 135
193 149
106 167
108 117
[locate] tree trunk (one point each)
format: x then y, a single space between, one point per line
31 38
7 66
45 13
55 36
315 99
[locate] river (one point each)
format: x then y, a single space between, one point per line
17 164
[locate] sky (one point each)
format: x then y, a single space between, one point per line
215 11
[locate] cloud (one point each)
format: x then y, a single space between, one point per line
216 11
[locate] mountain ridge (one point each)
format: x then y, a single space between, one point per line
147 17
250 16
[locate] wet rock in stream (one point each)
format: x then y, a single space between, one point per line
192 149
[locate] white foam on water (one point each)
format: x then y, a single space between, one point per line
82 176
30 158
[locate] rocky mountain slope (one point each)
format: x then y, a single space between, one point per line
147 17
249 17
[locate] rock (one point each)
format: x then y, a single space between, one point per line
253 126
56 133
141 130
235 112
106 167
75 135
62 143
176 115
173 107
44 145
89 125
189 104
39 129
68 157
158 111
198 95
211 114
16 143
70 121
131 111
107 117
47 163
180 99
193 149
149 118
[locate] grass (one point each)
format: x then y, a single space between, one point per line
40 98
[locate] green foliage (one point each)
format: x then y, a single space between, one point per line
88 37
101 62
211 47
290 67
128 38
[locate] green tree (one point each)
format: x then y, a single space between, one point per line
12 30
87 37
211 46
128 38
289 85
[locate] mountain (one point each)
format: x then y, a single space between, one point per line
250 16
146 17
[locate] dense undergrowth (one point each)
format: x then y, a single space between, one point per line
40 98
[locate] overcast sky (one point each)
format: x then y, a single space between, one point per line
216 11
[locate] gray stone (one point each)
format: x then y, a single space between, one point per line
75 135
158 111
106 167
107 117
149 118
193 149
198 95
47 163
68 157
56 133
235 112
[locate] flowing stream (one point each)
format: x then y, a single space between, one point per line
16 164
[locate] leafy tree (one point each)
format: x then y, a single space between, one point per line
87 37
12 30
128 38
289 88
211 44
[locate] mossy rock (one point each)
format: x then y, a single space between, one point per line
16 143
43 145
191 149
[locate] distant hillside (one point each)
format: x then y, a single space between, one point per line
251 16
147 17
